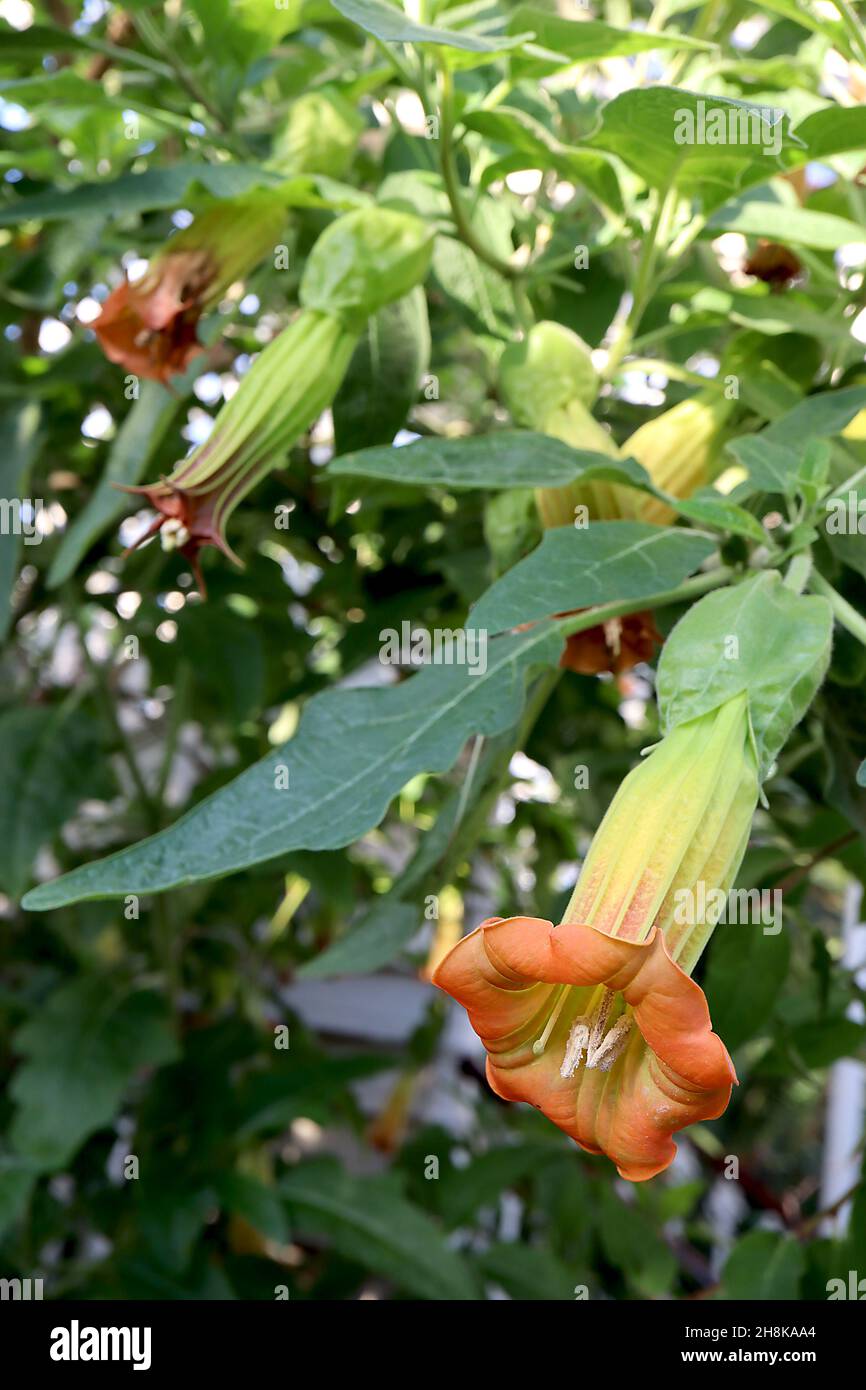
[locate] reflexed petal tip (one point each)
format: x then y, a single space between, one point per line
671 1072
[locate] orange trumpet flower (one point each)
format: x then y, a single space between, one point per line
597 1021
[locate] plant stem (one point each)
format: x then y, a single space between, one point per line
843 612
451 180
643 281
798 572
854 28
691 588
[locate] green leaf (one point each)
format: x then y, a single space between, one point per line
504 459
384 375
632 1245
353 751
771 467
640 126
834 130
792 225
519 131
19 426
745 973
803 14
569 41
826 1040
764 1265
527 1272
375 941
81 1051
580 567
136 442
722 515
170 186
237 31
392 25
479 294
369 1222
819 416
52 758
364 260
461 1192
759 637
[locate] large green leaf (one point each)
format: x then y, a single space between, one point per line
793 225
504 459
353 751
834 130
392 25
604 562
81 1051
369 1222
559 42
759 637
640 127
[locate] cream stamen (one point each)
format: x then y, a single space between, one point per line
541 1043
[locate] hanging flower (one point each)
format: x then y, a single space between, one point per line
150 326
360 262
615 646
597 1021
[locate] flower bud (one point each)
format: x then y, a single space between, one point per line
677 448
548 383
319 135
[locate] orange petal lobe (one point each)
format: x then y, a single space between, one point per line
673 1071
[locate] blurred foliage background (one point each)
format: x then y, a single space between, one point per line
164 1136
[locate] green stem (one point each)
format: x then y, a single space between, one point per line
642 289
849 484
854 28
843 612
690 589
798 572
451 180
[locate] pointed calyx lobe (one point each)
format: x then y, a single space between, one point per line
596 1021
